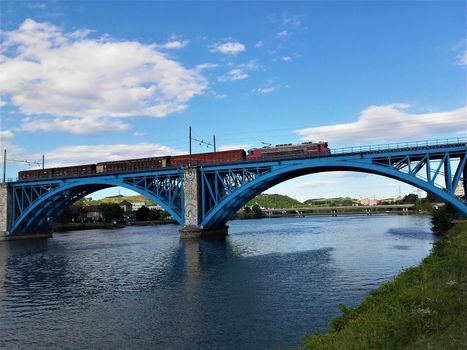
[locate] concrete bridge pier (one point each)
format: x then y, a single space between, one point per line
192 209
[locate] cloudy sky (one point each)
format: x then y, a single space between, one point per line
92 81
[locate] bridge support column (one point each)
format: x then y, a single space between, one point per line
5 210
192 209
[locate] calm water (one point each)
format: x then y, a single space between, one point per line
268 284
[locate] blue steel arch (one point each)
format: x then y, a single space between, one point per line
63 193
226 208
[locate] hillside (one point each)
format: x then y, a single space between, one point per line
119 199
274 201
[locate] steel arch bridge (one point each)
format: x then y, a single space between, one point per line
206 197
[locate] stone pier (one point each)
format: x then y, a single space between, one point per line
5 210
192 209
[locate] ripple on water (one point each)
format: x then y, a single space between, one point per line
269 283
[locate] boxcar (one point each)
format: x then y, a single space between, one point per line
72 171
36 174
132 165
208 158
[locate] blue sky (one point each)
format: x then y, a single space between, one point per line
91 81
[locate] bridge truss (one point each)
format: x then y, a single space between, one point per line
224 189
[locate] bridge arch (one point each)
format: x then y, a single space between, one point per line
229 205
52 204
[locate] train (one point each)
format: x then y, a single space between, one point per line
305 149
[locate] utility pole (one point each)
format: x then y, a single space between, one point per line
189 163
214 142
4 165
43 162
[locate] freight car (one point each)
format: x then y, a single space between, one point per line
74 171
60 172
26 175
289 150
237 155
132 164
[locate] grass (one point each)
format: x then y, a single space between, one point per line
424 307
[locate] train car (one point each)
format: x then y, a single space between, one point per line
285 150
208 158
132 164
35 174
73 171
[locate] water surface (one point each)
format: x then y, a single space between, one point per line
269 283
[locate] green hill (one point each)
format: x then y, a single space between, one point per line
339 201
277 201
118 199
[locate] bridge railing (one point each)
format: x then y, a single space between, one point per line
399 145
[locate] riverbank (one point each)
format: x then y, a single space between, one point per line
105 226
78 226
424 307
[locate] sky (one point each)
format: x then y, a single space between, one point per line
82 81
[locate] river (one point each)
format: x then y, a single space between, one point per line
269 283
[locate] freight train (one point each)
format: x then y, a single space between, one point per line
305 149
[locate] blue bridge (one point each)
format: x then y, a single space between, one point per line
203 198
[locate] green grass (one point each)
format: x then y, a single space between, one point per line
424 307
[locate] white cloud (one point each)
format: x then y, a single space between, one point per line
77 126
389 123
139 133
290 20
282 34
46 71
6 135
173 45
234 147
462 59
6 142
89 154
267 89
286 58
234 74
228 48
259 44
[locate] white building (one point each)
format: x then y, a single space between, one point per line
460 190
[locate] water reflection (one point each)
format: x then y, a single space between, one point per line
267 284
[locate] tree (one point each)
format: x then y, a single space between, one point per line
154 214
410 199
142 214
247 210
256 209
441 219
111 212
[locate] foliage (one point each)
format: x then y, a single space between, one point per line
424 307
118 199
330 202
142 214
111 212
250 213
441 219
274 201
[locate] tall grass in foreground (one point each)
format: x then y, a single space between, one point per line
424 307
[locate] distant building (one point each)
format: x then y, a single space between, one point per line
368 201
460 190
136 205
93 213
157 207
126 206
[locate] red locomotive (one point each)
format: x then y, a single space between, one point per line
142 164
289 150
